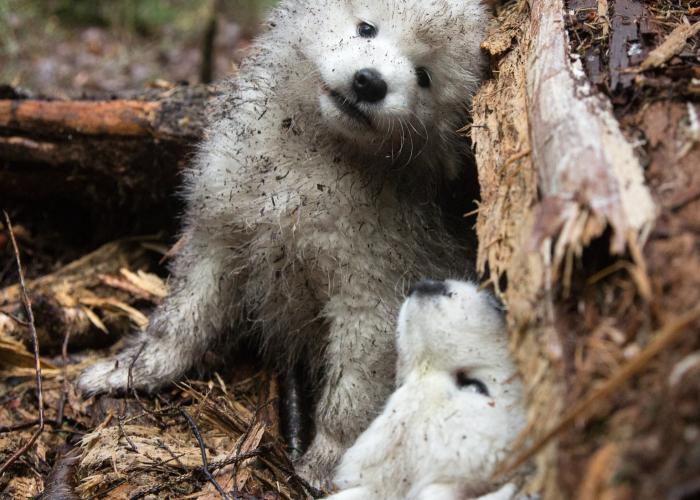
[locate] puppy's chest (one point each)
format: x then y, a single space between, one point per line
324 207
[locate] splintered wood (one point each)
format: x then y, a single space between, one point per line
96 292
505 223
588 171
675 42
556 173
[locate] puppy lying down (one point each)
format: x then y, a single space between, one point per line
456 410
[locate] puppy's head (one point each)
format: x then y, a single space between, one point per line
453 327
394 73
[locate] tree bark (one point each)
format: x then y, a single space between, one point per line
577 237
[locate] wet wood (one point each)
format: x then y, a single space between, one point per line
626 45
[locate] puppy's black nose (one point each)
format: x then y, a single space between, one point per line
369 85
429 287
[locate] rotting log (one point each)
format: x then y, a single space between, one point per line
113 162
595 255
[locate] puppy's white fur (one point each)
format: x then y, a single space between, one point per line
303 224
435 439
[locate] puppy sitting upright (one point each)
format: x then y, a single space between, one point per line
313 201
457 409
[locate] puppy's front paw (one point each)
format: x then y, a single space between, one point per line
103 376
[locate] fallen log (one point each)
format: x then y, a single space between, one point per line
115 161
124 118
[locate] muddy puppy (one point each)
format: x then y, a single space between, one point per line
314 200
457 407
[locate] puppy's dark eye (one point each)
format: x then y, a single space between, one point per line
366 30
424 79
464 381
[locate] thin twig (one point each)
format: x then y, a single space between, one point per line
665 337
203 450
155 415
64 373
120 422
103 493
130 377
17 320
4 429
37 361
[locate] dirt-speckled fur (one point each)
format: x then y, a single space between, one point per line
304 225
457 408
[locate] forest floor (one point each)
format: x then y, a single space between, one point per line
66 52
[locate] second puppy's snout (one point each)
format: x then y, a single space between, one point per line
428 288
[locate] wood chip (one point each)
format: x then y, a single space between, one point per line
148 282
671 46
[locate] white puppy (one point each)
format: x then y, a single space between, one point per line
457 408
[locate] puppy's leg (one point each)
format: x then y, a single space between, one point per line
180 330
360 362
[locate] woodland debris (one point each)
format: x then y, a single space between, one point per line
628 24
95 291
662 340
589 304
673 44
